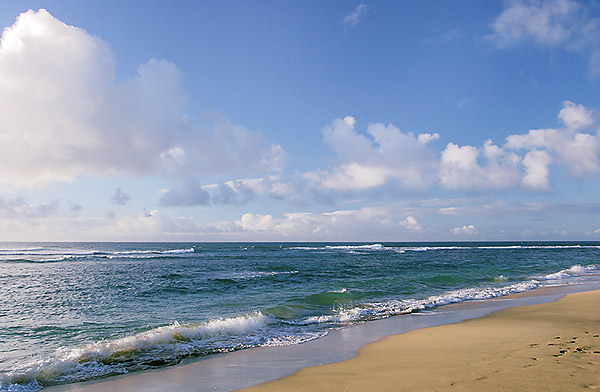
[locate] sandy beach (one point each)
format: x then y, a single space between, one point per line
545 347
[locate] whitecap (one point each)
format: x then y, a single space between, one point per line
576 270
106 357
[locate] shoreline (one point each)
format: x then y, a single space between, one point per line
245 368
549 346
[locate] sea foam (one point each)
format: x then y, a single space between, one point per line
576 270
117 356
402 249
48 255
378 310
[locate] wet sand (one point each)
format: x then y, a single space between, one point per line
545 347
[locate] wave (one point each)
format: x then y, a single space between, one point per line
356 247
497 247
112 350
403 249
157 252
139 256
253 275
379 310
2 251
426 248
342 247
45 255
540 247
574 271
49 259
157 347
288 340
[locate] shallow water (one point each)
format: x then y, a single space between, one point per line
78 311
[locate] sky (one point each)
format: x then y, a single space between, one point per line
299 121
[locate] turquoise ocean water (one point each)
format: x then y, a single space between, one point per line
71 312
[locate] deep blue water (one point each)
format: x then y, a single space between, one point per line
71 312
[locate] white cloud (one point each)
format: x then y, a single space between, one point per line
553 23
353 176
63 113
159 225
577 150
360 224
535 138
464 230
147 224
386 155
173 158
581 154
344 140
498 210
449 211
576 116
460 168
538 174
425 138
545 22
354 17
253 222
369 223
410 224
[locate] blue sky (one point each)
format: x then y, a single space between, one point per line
294 121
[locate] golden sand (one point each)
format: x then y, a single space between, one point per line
547 347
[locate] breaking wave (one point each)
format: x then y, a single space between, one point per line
46 255
403 249
574 271
157 347
378 310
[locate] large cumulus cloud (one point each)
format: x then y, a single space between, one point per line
63 113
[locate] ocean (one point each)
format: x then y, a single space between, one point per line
71 312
